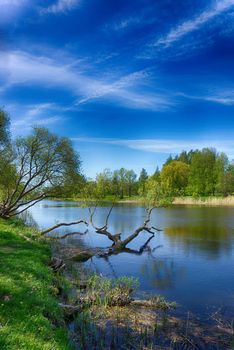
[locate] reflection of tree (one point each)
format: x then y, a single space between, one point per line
214 240
162 273
144 248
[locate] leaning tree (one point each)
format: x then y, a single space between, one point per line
4 131
37 166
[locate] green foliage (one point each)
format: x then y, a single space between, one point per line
142 181
107 292
41 164
227 185
4 130
161 303
202 177
174 176
156 193
116 184
29 314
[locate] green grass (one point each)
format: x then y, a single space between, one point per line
30 317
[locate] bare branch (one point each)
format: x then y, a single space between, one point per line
63 224
103 230
116 238
108 215
33 202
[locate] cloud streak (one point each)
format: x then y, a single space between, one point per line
165 146
24 69
61 6
43 114
224 97
196 23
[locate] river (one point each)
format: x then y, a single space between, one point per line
191 261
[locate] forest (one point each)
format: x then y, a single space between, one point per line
195 173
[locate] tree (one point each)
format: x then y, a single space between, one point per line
221 168
156 175
228 181
103 181
175 176
4 130
142 180
40 164
168 160
130 181
156 193
203 175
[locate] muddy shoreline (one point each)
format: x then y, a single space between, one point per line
104 326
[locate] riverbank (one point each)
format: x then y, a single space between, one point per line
106 316
187 200
30 317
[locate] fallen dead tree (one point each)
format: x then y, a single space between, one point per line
117 242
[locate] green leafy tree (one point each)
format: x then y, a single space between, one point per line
203 175
4 131
40 164
156 193
156 175
221 168
104 182
142 180
174 176
228 181
130 182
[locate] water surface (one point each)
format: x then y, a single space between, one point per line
191 261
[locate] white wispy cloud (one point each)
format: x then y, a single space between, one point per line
123 23
224 97
196 23
166 146
42 114
61 6
26 69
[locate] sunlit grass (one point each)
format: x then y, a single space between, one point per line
29 314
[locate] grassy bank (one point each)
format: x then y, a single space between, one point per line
29 314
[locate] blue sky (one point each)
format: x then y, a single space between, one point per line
130 81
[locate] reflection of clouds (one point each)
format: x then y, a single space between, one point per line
208 238
162 273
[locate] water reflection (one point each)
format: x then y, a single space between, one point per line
162 273
213 240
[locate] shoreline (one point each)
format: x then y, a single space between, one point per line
189 200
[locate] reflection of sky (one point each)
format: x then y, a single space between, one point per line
191 261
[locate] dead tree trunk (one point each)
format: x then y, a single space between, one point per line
118 243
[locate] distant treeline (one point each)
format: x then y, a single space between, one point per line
195 173
42 165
